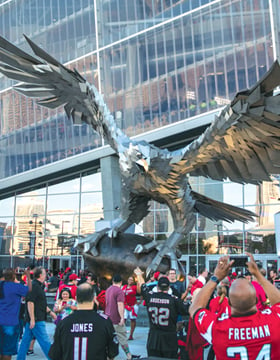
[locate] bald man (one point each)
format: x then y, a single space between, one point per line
246 334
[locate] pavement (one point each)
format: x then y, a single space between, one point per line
136 346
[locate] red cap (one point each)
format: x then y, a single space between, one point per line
156 275
234 274
73 277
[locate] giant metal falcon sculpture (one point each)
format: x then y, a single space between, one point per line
241 144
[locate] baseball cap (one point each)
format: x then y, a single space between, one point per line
73 277
163 282
156 275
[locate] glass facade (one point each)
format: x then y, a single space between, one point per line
157 63
37 225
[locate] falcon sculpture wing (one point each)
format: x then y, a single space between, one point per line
242 143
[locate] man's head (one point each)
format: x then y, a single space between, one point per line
204 272
191 278
163 284
248 275
242 297
39 273
92 279
73 278
84 294
156 275
117 280
172 275
130 281
273 274
9 274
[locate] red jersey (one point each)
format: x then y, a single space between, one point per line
260 296
71 287
251 337
101 299
130 294
196 285
217 308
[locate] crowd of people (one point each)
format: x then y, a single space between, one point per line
224 315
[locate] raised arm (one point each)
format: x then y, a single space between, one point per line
202 298
140 279
28 279
271 291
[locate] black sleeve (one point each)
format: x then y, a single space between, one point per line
113 343
32 295
183 309
145 291
55 352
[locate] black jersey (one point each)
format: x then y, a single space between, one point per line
163 310
84 335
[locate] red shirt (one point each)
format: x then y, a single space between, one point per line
251 337
217 308
113 295
195 342
101 299
260 296
72 288
130 294
196 285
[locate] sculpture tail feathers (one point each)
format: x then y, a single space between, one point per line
217 210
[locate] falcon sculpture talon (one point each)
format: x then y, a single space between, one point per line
144 248
241 144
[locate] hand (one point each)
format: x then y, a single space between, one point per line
138 271
32 324
27 272
53 315
121 323
252 266
222 268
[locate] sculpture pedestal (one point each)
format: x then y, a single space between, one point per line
116 256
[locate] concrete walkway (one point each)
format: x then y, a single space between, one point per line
137 346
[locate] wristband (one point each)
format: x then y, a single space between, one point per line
215 279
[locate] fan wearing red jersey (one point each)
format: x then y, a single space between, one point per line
130 304
220 304
246 334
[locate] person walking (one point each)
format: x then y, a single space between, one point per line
93 281
37 309
163 310
130 304
10 303
84 334
115 310
247 333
